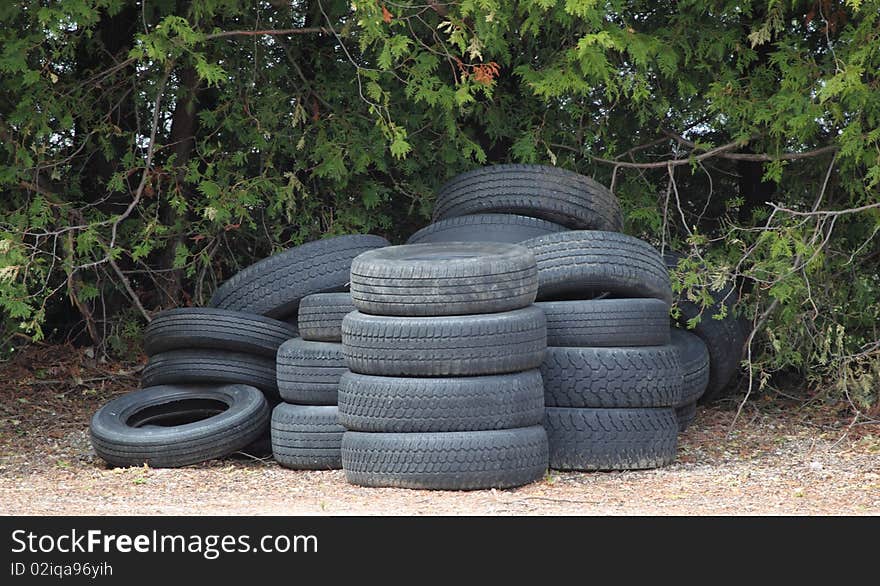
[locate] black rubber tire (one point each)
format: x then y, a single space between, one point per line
638 377
467 345
306 437
508 228
694 359
724 338
292 321
584 264
211 367
724 342
418 405
458 460
144 427
685 415
611 439
204 328
598 323
451 278
320 316
259 448
274 286
262 446
308 372
553 194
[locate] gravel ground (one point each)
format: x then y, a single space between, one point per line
766 466
772 460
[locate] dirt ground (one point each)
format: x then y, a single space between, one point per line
774 459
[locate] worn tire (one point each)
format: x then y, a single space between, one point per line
211 367
606 322
320 316
584 264
306 437
694 359
168 426
418 405
308 372
459 460
560 196
292 321
451 278
260 448
724 342
204 328
468 345
274 286
508 228
724 338
611 439
685 415
637 377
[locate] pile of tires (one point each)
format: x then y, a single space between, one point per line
611 377
519 330
443 390
212 379
518 203
305 432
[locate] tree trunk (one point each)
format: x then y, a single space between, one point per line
115 34
184 125
753 190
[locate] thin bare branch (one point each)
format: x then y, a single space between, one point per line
827 213
313 30
128 288
671 162
758 157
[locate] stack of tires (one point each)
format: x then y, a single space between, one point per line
207 345
443 391
611 376
211 380
305 432
616 381
434 371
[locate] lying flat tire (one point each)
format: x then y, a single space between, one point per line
468 345
452 278
204 328
460 460
308 372
320 316
306 437
508 228
416 405
637 377
211 367
168 426
606 322
611 439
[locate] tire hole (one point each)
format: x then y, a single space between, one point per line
176 413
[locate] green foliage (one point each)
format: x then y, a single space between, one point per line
265 141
